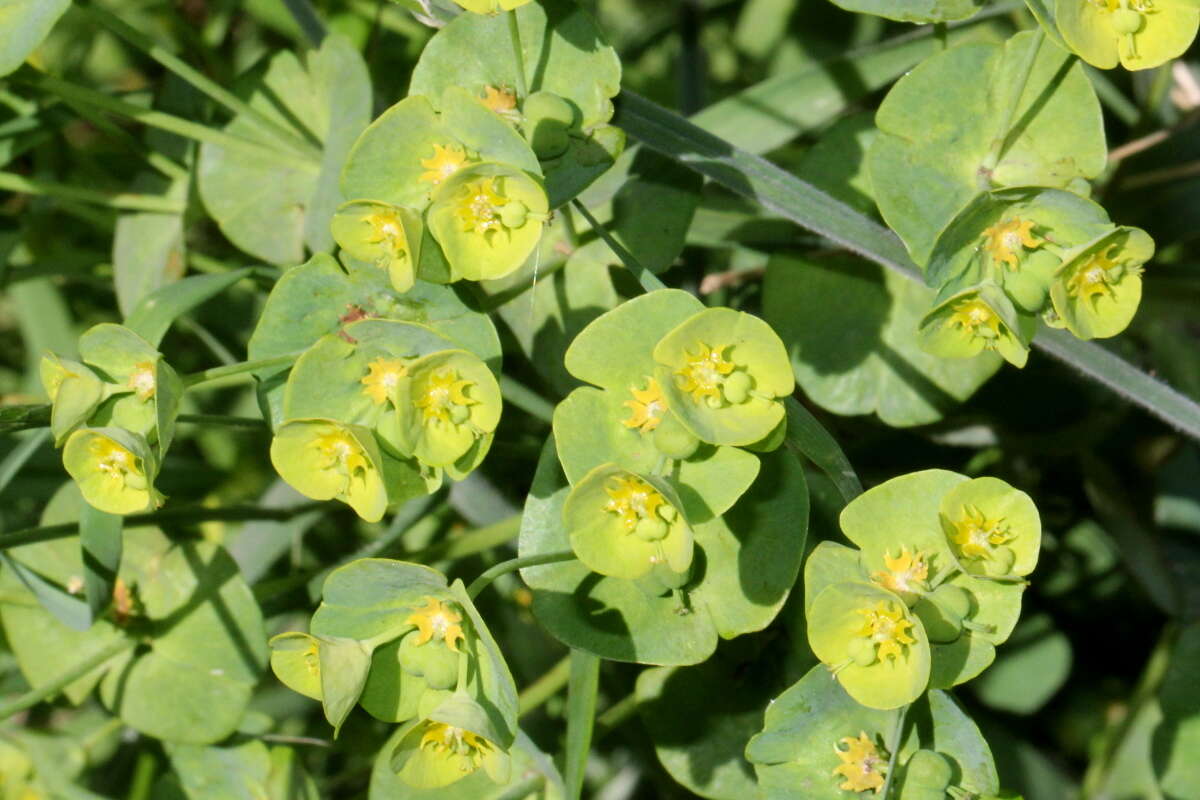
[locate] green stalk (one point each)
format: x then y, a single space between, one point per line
645 277
123 200
243 368
526 399
615 715
894 756
306 17
514 564
178 516
582 689
156 119
545 687
166 166
514 34
200 81
65 678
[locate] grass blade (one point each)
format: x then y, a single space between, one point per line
581 717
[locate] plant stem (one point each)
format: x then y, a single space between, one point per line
545 687
200 81
514 564
65 678
306 17
526 399
514 33
1004 133
645 277
615 715
242 368
123 200
223 419
584 683
156 119
894 752
48 533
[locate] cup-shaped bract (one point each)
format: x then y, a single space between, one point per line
115 469
975 320
326 460
296 661
75 392
1137 34
448 403
488 218
724 373
490 6
383 234
875 646
1098 288
992 529
623 525
452 742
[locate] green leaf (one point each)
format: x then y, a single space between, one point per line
581 717
746 563
148 250
155 312
344 666
240 770
274 209
25 24
941 123
1176 738
100 541
851 331
914 10
1031 667
492 684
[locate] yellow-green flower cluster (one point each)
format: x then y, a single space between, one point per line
1137 34
393 638
378 412
113 413
1015 254
935 585
461 197
681 385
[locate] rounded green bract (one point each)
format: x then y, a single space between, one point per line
992 528
383 234
326 460
115 469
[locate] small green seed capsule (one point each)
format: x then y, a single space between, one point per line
1125 21
737 387
861 652
651 529
459 414
673 440
928 770
513 214
548 106
952 598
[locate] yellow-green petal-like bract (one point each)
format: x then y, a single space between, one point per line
383 234
326 460
490 6
114 469
972 321
1137 34
1097 290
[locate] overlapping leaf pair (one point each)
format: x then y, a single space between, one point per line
655 449
981 166
396 639
934 587
114 415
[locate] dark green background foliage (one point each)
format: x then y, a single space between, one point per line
196 148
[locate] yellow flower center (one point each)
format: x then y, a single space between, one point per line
632 499
647 407
863 766
977 536
1005 240
977 319
886 626
448 740
116 462
437 621
382 376
142 381
500 99
1093 279
344 456
906 572
479 206
387 228
703 373
445 161
443 398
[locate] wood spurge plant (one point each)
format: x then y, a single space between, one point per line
612 441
